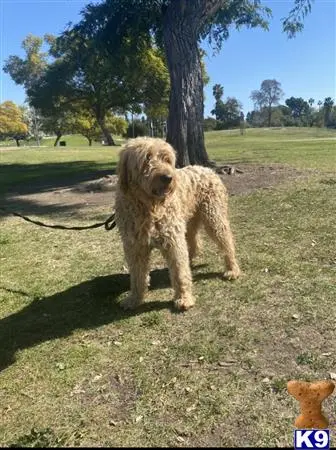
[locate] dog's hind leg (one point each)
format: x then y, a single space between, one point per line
177 257
137 257
218 227
193 238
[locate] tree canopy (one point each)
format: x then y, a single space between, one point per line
178 27
124 54
27 71
12 123
269 95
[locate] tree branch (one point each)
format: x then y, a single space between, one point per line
210 7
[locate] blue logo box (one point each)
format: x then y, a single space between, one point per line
312 439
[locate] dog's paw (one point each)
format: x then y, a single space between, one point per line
232 274
130 303
184 303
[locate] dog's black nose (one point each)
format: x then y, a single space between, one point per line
166 179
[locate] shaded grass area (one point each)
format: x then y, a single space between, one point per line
27 171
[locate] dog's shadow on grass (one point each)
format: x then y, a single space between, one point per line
86 305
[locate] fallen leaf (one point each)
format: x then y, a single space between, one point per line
118 378
191 408
96 378
77 390
332 375
60 366
138 419
295 316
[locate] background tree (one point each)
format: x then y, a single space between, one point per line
327 109
77 71
34 122
268 96
58 123
12 123
218 92
332 118
299 109
227 113
179 27
210 124
85 73
311 102
27 71
85 123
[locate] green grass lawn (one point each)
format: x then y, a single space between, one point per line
78 371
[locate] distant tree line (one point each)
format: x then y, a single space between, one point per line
268 112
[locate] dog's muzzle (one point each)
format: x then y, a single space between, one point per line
166 179
163 185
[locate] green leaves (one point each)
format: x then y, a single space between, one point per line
27 71
293 24
11 121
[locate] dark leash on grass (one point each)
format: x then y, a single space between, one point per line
109 223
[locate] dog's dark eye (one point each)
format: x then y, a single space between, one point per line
148 157
166 159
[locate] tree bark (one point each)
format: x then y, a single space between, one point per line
17 142
181 26
106 133
269 116
58 137
90 141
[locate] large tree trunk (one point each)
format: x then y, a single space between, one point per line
269 115
107 135
17 142
182 22
58 137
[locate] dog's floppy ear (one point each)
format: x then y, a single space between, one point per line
122 170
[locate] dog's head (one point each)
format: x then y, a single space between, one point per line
147 164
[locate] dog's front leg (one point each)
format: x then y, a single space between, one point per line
137 257
177 257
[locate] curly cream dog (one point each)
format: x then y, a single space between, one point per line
159 206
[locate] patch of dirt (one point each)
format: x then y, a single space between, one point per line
256 176
98 192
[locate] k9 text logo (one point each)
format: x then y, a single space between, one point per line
315 439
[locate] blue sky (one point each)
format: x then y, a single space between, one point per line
305 66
